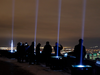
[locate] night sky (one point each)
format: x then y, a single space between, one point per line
47 23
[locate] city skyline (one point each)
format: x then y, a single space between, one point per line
47 22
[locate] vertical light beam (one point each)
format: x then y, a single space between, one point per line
83 25
11 46
36 17
59 12
13 7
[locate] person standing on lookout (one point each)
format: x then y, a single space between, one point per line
31 54
47 52
38 53
77 51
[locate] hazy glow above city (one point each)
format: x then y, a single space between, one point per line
47 22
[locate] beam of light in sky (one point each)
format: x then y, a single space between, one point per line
59 12
13 7
83 25
36 17
11 46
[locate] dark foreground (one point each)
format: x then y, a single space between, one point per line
64 64
7 68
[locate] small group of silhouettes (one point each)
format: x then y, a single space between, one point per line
26 52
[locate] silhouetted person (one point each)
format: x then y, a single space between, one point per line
31 54
19 44
22 52
77 51
26 51
26 46
47 52
60 47
38 53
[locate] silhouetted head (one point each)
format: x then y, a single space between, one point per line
32 43
80 41
56 43
19 44
47 43
39 44
23 44
26 43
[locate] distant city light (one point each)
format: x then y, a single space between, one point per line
93 53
